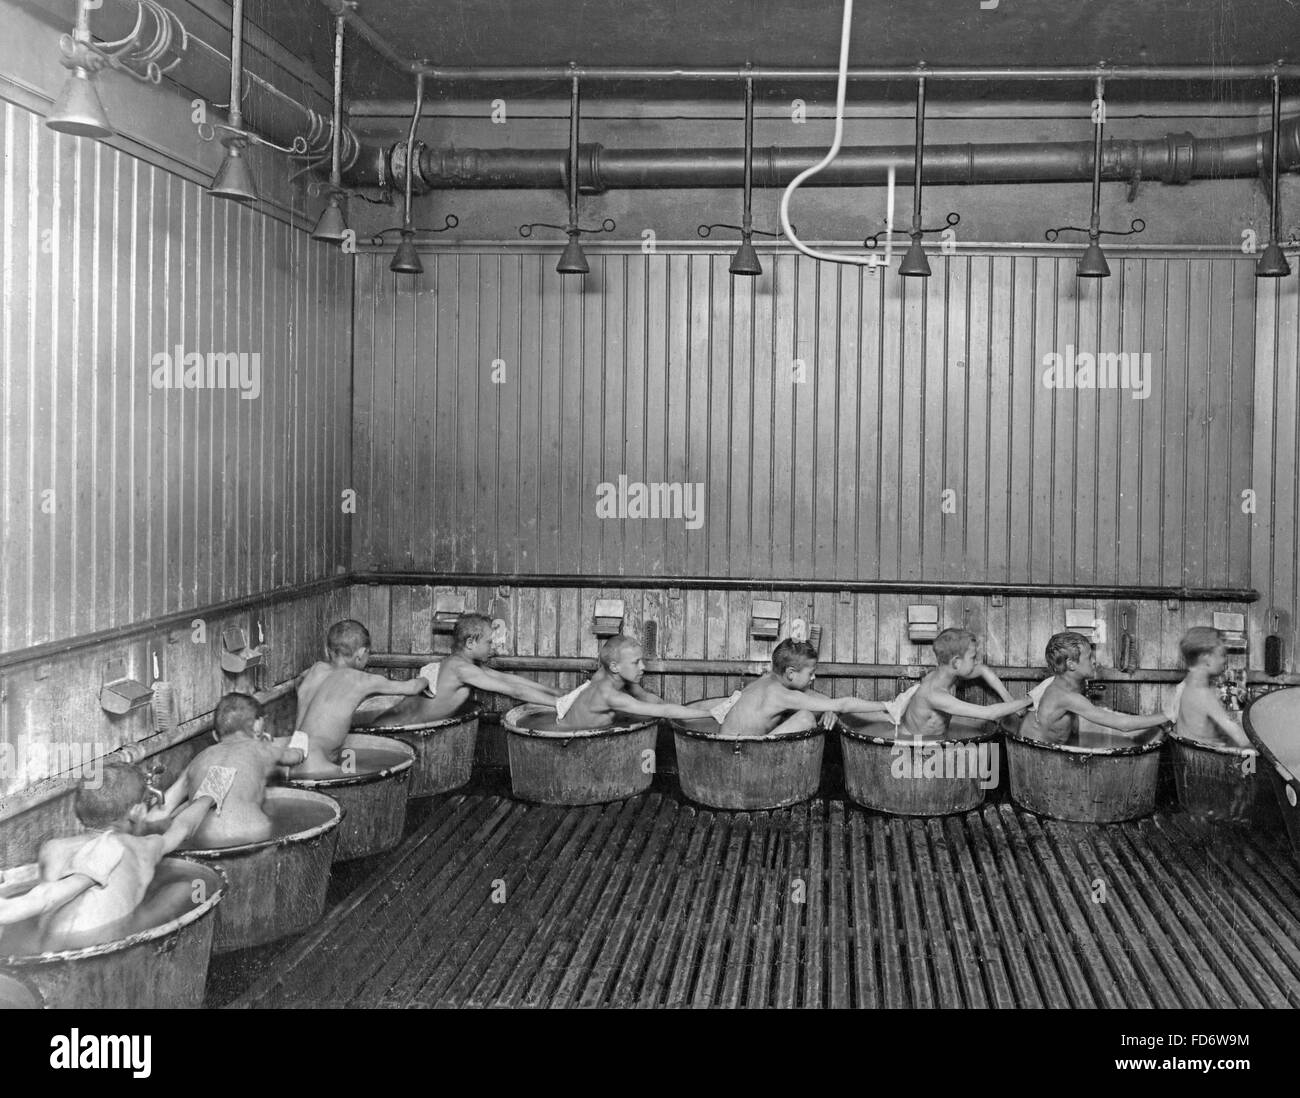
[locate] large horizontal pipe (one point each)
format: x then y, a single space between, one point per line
855 587
1174 158
674 74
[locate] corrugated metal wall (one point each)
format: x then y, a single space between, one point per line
664 368
161 500
1276 483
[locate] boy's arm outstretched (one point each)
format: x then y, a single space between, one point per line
815 702
382 684
513 686
955 707
46 896
994 683
648 705
185 823
1080 706
172 799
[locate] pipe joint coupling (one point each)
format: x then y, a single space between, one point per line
1182 158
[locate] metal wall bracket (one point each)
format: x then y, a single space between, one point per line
447 612
922 624
237 655
119 693
765 619
607 617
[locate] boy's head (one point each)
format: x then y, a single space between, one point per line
794 663
1202 646
1068 652
621 656
119 796
238 713
473 635
348 641
958 649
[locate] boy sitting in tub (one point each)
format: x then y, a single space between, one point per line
451 679
241 763
930 705
1196 710
614 693
782 699
1060 701
330 692
92 880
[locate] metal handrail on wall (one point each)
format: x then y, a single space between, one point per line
829 586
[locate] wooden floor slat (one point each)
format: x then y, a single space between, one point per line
653 902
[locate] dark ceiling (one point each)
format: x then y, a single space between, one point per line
787 32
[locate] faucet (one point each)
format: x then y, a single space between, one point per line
1232 690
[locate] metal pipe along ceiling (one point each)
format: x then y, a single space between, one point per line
1174 158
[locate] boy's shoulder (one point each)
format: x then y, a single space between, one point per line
931 684
607 685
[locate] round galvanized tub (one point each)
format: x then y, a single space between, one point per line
581 766
746 772
372 794
18 994
277 886
157 958
1272 722
1222 782
1100 778
444 749
905 776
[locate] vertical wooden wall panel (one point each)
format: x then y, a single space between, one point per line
120 501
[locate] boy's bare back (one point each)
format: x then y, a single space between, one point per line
309 683
241 818
327 719
1198 708
759 709
453 693
1055 720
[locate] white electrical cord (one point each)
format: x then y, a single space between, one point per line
873 260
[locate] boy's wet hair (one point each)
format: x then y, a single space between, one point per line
791 654
612 650
952 644
1064 647
104 801
471 627
346 638
236 713
1198 641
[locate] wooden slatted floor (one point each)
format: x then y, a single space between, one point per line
652 902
